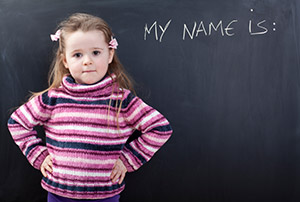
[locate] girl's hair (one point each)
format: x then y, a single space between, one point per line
86 22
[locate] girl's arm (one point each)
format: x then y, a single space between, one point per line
21 126
155 130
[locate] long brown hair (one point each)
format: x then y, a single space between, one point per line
86 22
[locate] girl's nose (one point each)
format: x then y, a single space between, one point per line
87 60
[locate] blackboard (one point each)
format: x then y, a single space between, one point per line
224 73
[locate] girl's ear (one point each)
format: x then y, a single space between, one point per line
64 60
111 55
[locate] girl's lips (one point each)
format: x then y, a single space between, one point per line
88 71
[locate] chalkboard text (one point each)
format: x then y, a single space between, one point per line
193 30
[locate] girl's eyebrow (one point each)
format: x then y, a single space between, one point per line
76 50
97 48
94 48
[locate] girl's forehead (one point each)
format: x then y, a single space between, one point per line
79 34
83 39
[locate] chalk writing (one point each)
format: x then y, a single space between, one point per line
259 25
192 31
147 30
201 28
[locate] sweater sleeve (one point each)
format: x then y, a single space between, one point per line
21 126
155 131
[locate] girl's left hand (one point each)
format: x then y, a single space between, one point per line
118 172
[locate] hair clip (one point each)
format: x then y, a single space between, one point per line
55 37
113 43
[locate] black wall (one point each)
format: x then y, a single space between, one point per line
231 94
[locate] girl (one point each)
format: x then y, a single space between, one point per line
88 113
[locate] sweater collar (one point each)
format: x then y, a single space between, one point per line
102 88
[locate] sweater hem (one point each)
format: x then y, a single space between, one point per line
82 195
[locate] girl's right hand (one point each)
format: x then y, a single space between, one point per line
46 166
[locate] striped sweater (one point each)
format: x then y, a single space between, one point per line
84 138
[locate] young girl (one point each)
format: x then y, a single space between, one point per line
88 113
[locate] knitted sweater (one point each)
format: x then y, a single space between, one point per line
84 137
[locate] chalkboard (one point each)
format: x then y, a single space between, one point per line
224 73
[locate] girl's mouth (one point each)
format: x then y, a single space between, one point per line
88 71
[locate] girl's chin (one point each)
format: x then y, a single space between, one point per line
88 81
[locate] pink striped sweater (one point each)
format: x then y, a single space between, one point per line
83 136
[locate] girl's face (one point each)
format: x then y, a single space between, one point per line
87 56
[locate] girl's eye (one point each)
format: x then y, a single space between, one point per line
96 52
77 55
